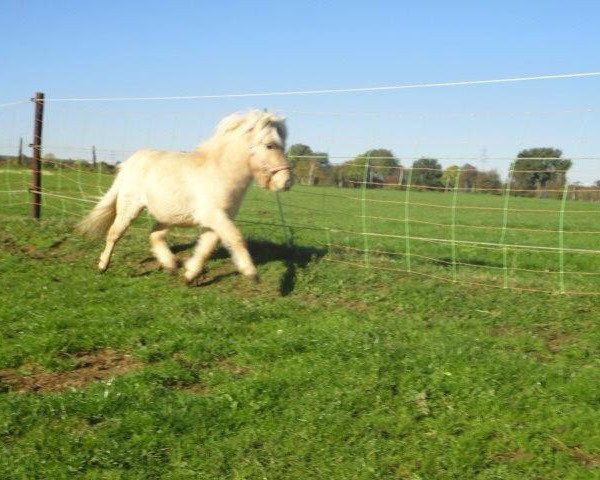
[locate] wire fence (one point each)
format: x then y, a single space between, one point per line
462 235
526 228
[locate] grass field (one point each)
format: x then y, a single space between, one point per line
323 370
469 238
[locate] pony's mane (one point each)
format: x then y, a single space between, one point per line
253 121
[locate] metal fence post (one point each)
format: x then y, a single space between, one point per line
36 161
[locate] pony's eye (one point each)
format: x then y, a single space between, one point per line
271 146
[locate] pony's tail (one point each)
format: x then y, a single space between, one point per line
98 221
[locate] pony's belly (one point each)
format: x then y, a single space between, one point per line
169 206
173 217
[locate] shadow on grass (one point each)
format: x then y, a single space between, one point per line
264 252
476 262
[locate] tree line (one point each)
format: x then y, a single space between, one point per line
50 161
535 172
538 172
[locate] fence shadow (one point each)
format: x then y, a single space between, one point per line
446 262
263 252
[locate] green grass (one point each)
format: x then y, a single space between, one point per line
320 371
453 238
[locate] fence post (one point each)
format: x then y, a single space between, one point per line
94 159
98 166
20 159
406 219
453 217
509 180
36 161
363 210
561 235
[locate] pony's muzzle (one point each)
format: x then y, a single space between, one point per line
281 180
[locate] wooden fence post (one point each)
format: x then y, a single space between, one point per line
36 161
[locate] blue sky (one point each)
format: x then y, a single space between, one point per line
177 48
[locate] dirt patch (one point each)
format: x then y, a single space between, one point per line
146 266
586 459
556 341
9 245
191 387
236 370
505 330
54 250
422 404
89 367
222 363
71 256
512 456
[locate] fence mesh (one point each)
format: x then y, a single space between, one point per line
525 228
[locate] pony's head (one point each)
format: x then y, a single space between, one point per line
265 135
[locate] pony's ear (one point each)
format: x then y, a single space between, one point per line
267 120
282 128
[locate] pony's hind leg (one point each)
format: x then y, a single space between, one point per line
160 249
123 219
206 245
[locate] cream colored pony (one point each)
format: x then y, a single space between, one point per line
204 187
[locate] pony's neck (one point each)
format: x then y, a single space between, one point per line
232 161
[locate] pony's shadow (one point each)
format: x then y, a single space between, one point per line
263 252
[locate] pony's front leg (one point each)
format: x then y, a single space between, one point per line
206 245
232 239
160 249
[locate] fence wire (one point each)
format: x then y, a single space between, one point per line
462 235
371 212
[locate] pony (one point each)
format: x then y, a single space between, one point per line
204 188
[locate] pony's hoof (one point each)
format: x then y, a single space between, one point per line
191 279
254 278
171 267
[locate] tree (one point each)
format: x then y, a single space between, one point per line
468 176
427 172
537 168
450 176
308 166
311 170
381 160
383 166
489 181
297 152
